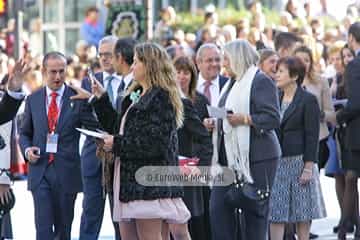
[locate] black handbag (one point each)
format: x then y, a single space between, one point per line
248 197
6 207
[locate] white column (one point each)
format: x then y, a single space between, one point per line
193 5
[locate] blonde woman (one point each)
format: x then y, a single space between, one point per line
252 102
144 134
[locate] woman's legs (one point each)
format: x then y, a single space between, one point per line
149 229
340 190
277 231
128 230
349 205
303 230
165 231
180 231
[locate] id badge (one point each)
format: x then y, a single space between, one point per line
52 142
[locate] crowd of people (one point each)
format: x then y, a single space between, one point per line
292 106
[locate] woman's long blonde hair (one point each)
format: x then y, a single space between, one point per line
160 72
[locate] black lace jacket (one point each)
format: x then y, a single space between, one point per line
149 139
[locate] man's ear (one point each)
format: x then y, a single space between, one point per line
43 70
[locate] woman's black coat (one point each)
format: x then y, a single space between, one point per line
150 139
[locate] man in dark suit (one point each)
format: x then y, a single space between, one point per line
349 117
91 165
210 82
50 144
116 56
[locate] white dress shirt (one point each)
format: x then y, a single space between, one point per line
16 95
127 79
214 89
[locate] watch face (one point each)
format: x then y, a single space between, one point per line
2 143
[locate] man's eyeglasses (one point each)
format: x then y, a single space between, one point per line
105 55
212 60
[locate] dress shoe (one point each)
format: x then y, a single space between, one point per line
313 236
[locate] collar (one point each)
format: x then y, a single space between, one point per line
106 74
202 81
60 92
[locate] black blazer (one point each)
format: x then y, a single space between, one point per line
192 131
149 139
350 115
8 108
300 126
203 147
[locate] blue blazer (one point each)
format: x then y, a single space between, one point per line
265 115
34 130
222 81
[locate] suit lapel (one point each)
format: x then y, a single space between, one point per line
292 107
65 107
222 81
43 114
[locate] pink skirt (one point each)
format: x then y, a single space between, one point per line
172 210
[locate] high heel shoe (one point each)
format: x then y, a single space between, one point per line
357 234
341 234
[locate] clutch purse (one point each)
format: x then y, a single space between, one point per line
246 196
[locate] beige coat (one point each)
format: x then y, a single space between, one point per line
321 90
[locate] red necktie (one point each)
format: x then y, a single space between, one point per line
207 92
53 113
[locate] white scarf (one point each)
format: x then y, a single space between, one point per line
237 139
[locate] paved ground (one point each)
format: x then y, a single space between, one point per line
23 222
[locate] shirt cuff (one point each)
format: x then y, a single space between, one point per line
4 179
16 95
91 99
26 153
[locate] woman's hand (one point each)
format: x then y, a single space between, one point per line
80 92
307 173
236 119
209 123
108 142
